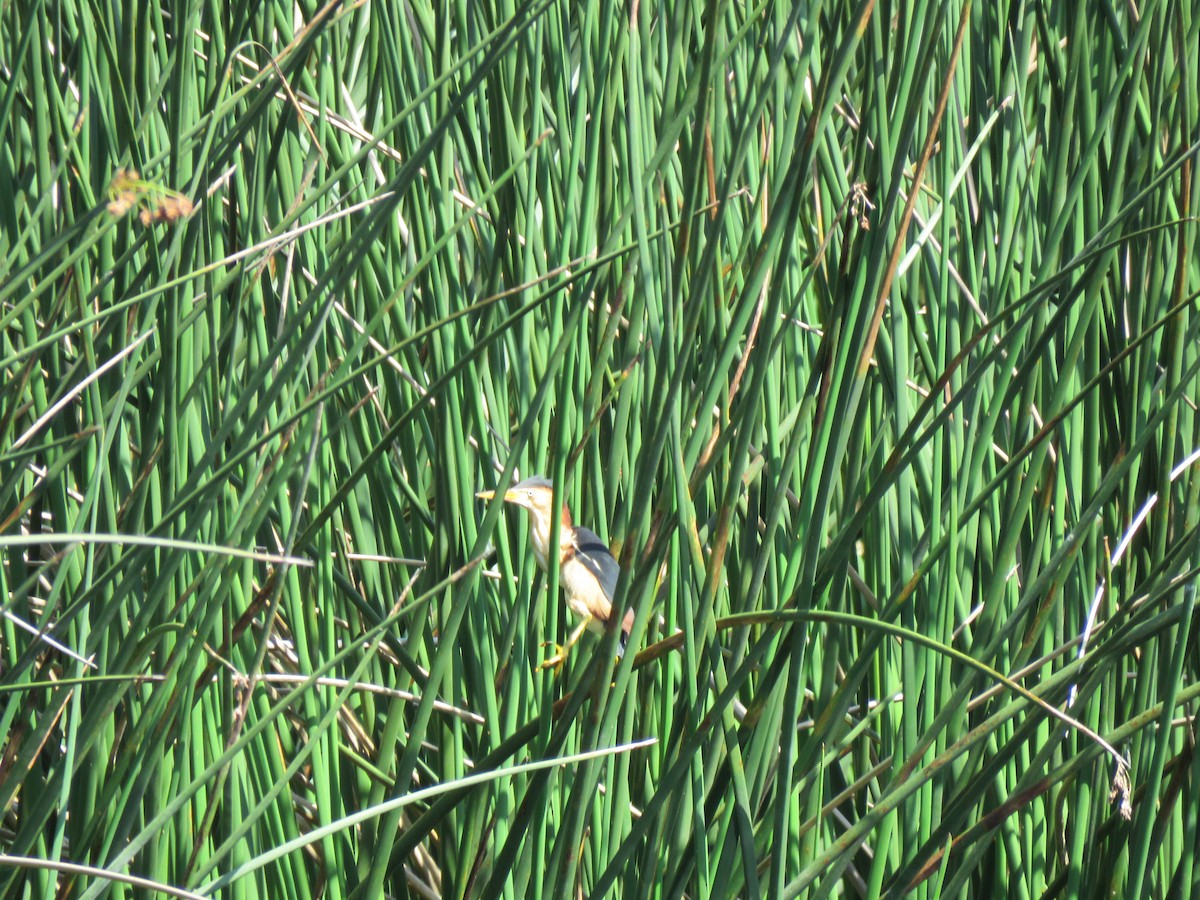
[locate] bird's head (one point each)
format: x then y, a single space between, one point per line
536 494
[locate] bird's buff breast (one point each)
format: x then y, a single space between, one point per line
581 591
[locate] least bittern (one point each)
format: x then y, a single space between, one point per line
587 570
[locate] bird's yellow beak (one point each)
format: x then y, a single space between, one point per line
486 495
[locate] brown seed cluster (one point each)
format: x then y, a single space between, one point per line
154 202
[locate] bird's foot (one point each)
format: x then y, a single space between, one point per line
556 661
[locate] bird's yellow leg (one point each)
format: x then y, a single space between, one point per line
556 661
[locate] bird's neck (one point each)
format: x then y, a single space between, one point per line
541 539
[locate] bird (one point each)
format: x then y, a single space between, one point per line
587 570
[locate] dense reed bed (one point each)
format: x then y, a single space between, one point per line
864 334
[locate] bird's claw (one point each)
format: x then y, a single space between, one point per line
556 661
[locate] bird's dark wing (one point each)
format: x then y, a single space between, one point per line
594 553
